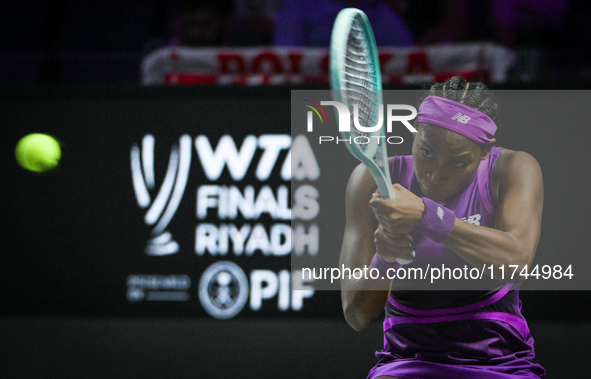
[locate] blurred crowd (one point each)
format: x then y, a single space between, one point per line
395 22
62 41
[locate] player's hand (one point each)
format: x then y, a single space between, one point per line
400 215
391 247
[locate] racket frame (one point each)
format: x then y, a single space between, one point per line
338 48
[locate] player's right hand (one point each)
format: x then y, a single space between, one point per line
393 246
401 214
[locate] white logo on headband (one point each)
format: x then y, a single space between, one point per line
461 118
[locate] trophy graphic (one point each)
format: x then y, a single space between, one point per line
163 206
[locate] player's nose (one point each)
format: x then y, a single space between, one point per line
436 177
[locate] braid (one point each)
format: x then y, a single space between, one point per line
473 94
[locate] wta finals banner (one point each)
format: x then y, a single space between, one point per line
165 202
547 125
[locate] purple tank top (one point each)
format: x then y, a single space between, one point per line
475 205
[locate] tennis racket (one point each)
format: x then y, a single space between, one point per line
356 81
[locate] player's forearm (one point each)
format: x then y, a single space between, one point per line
480 246
363 299
362 305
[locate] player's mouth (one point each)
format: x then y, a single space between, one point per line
430 192
425 189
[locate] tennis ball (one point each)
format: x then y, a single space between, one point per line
38 152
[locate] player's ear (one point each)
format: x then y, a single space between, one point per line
486 149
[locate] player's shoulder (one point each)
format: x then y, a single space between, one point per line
515 167
360 182
511 160
360 176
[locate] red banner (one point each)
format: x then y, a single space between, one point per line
273 66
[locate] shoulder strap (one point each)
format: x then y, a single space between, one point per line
484 177
403 170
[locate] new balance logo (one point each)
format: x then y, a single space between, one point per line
440 212
461 118
474 219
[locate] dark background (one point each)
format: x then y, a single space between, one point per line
71 236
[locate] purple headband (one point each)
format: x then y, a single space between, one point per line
460 118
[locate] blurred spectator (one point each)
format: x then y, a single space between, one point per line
204 23
442 21
525 21
309 22
254 21
510 22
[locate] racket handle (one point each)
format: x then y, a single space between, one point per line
405 261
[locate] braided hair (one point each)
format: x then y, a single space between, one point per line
473 94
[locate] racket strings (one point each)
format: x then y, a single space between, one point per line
361 83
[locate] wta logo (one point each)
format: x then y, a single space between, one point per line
163 203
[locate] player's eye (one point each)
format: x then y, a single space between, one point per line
426 153
458 163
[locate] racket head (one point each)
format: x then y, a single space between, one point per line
345 21
356 80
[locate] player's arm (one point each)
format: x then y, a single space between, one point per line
363 300
361 304
518 223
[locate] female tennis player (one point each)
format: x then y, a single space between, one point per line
460 201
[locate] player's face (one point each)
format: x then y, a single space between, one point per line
445 162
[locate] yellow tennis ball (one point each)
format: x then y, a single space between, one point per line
38 152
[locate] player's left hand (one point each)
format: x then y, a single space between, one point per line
400 215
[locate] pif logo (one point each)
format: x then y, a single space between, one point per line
344 116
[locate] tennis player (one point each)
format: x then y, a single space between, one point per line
460 201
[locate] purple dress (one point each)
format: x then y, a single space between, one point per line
455 333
